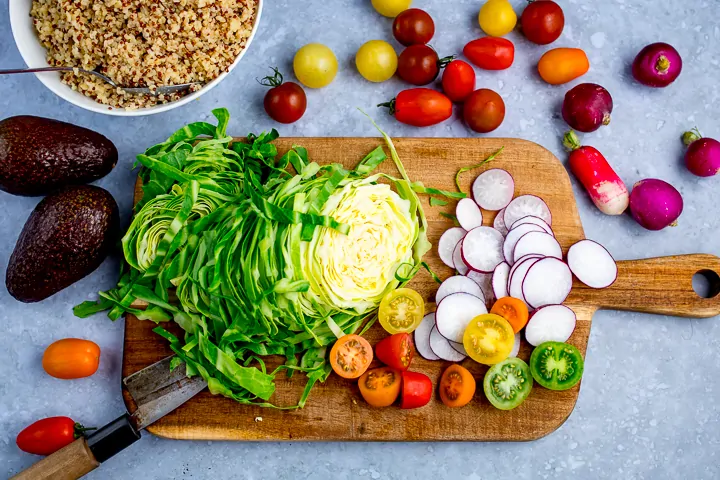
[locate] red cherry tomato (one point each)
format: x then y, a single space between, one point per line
413 27
542 21
484 110
284 102
490 53
396 351
420 64
416 390
420 107
458 80
49 435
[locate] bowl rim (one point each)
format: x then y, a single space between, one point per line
52 80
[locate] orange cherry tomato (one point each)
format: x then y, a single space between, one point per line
71 358
513 310
562 65
351 356
457 386
380 387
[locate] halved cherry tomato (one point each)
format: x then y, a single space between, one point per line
413 27
71 358
351 356
513 310
416 390
380 387
563 65
488 339
457 386
542 21
458 80
420 107
401 311
484 110
396 351
420 64
49 435
490 53
284 102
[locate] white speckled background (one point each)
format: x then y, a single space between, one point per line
648 407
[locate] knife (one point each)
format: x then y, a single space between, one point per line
156 391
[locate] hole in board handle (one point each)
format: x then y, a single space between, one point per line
706 283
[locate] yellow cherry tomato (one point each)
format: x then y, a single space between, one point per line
401 311
497 18
391 8
489 339
315 65
376 61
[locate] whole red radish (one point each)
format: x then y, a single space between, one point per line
420 107
490 53
458 80
657 65
587 107
284 102
605 187
49 435
413 27
542 21
703 154
655 204
484 110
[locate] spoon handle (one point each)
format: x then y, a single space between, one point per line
37 70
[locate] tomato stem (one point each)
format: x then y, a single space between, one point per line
571 141
390 105
691 136
80 429
445 61
272 81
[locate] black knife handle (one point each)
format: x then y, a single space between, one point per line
112 438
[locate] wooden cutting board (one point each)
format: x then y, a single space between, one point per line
336 411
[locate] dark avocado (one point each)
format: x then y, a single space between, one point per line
39 155
66 238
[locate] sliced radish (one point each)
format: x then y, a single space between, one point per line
552 323
455 312
493 189
499 223
512 238
592 264
517 264
525 205
516 346
484 281
500 280
518 275
482 249
548 282
540 243
468 214
422 337
441 347
535 221
447 243
457 284
458 261
458 347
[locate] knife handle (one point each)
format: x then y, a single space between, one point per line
68 463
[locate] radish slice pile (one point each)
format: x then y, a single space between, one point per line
535 221
592 264
468 214
547 282
484 281
493 189
537 243
442 348
482 249
553 323
500 280
499 223
517 277
455 312
458 284
447 243
525 205
458 261
422 337
514 236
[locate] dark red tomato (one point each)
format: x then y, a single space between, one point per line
490 53
420 64
484 110
420 107
542 21
284 102
396 351
49 435
458 80
416 390
413 27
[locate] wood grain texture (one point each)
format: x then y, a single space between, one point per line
336 411
68 463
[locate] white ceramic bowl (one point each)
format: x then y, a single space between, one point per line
34 55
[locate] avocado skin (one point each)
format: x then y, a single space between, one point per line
39 155
66 238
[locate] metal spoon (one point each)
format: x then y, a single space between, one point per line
132 90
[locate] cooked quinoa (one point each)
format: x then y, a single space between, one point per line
142 43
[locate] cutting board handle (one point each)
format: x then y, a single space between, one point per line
660 285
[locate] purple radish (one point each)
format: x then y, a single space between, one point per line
500 279
499 223
482 249
517 278
535 221
457 284
455 312
422 337
540 243
655 204
552 323
441 347
468 214
493 189
547 282
514 236
525 205
458 261
458 347
592 264
587 107
703 154
447 243
657 65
